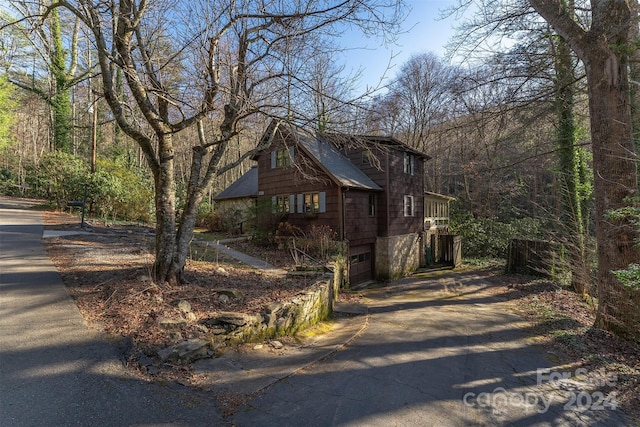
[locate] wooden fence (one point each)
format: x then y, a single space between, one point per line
537 257
446 249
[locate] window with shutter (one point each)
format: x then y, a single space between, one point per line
282 157
312 203
281 204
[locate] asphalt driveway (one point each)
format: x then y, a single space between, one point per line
437 352
54 370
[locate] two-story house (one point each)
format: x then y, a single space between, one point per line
369 189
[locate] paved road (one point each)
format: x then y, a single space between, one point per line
54 371
435 354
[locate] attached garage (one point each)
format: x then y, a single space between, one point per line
360 264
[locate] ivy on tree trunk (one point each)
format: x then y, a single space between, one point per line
61 101
604 49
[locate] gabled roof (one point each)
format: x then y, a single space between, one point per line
439 196
245 186
380 141
324 153
335 164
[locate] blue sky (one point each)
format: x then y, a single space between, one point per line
423 31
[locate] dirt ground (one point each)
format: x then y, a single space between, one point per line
107 272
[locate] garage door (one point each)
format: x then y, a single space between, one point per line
361 264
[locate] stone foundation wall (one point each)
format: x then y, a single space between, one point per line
397 256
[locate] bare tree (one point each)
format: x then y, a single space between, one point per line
535 71
419 98
604 45
602 34
53 51
423 88
187 62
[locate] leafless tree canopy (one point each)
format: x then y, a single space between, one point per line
215 66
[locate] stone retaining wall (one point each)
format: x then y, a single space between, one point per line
278 319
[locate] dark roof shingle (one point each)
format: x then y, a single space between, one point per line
245 186
337 165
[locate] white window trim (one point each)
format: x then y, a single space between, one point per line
408 163
372 206
408 202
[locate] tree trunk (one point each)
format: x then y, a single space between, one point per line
185 234
172 246
615 180
569 161
165 269
195 193
604 50
61 100
634 75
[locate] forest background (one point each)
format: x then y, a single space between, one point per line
153 117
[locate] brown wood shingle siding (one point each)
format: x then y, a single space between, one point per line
401 184
373 172
375 166
387 170
360 228
299 178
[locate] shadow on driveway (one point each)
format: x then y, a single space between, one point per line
438 351
54 370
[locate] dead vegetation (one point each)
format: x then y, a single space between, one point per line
107 272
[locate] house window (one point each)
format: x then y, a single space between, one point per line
409 163
367 156
354 259
282 157
372 205
408 205
281 204
312 203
